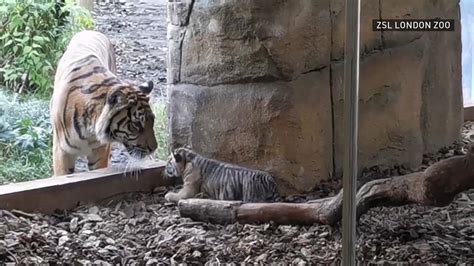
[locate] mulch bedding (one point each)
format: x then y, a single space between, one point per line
143 228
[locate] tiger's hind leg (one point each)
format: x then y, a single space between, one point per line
99 158
63 163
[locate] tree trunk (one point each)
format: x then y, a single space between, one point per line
87 4
436 186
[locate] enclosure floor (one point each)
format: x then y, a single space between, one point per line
143 228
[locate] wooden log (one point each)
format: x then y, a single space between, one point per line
436 186
212 211
324 211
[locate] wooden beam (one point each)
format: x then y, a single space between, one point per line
469 112
67 192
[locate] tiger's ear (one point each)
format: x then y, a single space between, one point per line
187 146
177 157
146 87
116 98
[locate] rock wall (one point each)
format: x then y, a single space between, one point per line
259 83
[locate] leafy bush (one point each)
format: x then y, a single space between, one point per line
25 139
33 36
78 19
161 129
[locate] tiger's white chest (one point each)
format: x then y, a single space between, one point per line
88 146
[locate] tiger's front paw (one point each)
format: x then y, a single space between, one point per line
171 197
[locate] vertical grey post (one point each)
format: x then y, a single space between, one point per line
351 100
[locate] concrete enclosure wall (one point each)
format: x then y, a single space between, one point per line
259 83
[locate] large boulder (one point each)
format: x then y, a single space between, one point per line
283 127
390 104
442 109
259 83
246 40
369 40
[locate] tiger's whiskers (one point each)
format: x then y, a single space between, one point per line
133 166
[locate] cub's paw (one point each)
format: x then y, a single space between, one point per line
170 197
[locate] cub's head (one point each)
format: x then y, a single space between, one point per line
177 161
127 118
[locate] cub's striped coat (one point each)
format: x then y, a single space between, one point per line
218 180
91 108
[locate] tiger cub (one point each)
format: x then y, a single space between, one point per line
91 108
217 180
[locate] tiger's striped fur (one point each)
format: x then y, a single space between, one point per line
91 108
218 180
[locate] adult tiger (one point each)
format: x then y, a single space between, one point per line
218 180
91 108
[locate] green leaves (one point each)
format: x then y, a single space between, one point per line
16 21
25 138
8 43
33 35
28 137
27 49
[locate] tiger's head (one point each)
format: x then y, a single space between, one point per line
127 118
177 162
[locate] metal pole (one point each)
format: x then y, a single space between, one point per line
351 100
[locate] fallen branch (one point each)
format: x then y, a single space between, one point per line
436 186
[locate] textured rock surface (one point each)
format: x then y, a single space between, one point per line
389 107
259 83
442 97
283 127
369 39
442 110
239 41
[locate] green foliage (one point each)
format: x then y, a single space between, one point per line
25 139
79 19
161 129
33 35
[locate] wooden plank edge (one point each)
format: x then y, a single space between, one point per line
468 112
67 192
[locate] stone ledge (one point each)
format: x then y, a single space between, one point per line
67 192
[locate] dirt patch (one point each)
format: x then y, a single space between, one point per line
138 31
